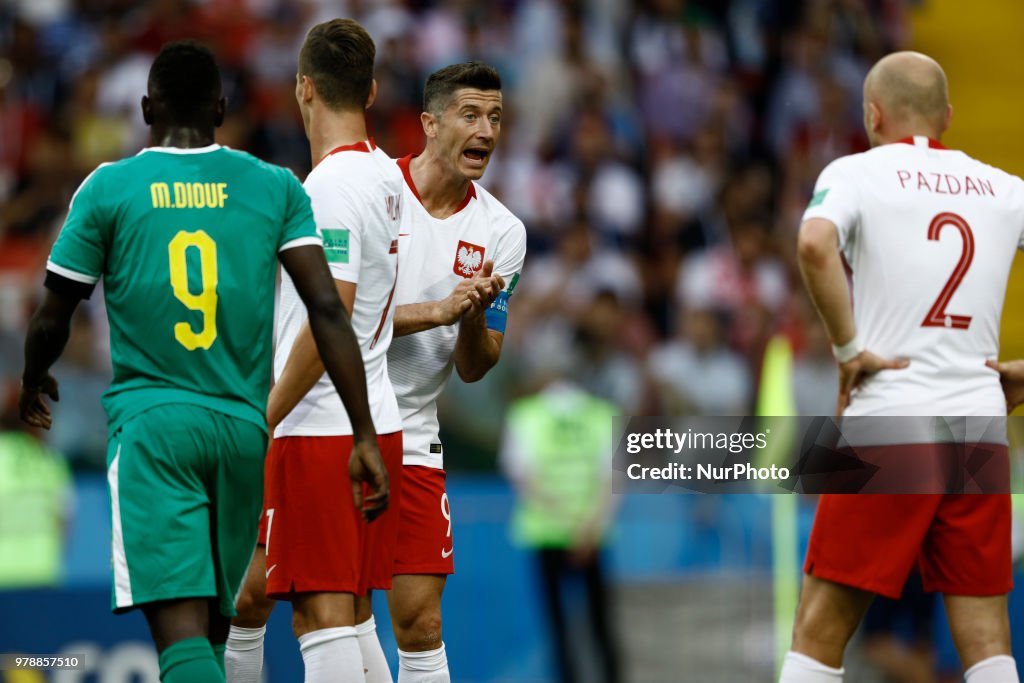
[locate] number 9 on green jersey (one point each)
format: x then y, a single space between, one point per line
186 241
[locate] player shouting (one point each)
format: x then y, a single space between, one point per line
460 255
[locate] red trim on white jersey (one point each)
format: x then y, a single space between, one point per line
403 164
914 140
391 297
361 146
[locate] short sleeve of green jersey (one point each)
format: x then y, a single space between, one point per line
299 228
79 253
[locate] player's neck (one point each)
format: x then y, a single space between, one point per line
180 136
442 191
905 132
329 130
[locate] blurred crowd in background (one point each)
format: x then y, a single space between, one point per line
660 153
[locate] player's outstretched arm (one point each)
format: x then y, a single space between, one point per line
48 332
303 369
1011 375
477 347
339 352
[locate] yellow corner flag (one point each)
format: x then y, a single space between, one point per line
775 399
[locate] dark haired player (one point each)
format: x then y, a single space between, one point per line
314 550
186 236
460 255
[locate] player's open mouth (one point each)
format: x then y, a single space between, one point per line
476 155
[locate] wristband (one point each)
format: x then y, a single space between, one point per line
848 351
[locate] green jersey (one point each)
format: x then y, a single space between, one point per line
186 241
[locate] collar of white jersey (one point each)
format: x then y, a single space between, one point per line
183 150
365 146
922 141
403 163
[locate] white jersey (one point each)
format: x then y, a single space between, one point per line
356 194
434 255
930 234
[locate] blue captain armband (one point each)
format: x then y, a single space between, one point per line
497 314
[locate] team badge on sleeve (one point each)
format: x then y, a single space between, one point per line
818 197
468 259
336 245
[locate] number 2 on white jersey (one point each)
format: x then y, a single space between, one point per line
937 315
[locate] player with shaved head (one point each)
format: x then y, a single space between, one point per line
910 90
930 234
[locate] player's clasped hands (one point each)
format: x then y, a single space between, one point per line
854 371
473 296
485 289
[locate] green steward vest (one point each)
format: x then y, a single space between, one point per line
566 441
34 485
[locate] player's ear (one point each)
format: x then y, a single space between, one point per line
307 89
949 117
429 123
218 112
373 94
874 117
147 110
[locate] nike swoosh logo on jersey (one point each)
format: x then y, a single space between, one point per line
270 570
404 234
445 555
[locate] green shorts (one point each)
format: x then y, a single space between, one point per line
186 491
